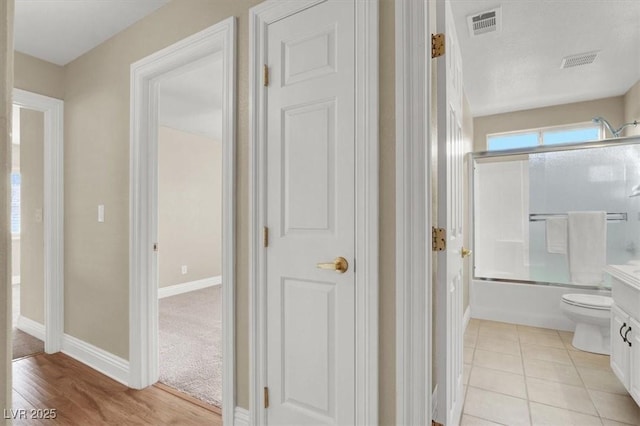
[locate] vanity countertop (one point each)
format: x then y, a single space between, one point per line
629 274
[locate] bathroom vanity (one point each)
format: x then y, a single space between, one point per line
625 326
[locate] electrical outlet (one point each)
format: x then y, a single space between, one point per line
184 269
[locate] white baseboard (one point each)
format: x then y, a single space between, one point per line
96 358
173 290
15 279
241 417
466 318
31 327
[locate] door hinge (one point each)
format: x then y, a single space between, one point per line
265 75
265 236
266 397
437 45
434 423
438 239
155 246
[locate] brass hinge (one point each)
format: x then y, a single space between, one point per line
434 423
438 239
265 236
266 397
155 246
437 45
265 75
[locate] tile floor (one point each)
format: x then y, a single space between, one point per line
519 375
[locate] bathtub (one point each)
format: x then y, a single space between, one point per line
537 305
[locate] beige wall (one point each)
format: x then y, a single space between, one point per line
190 206
6 86
610 108
632 109
38 76
31 205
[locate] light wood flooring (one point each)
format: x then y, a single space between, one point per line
82 396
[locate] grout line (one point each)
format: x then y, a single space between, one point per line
526 383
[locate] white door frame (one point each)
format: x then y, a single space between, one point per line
143 225
53 215
414 282
366 127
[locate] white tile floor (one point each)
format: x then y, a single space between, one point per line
519 375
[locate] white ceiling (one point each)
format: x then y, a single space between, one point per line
519 67
59 31
191 101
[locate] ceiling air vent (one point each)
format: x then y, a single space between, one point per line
579 59
485 22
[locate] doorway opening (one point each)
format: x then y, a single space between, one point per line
36 224
174 250
189 231
27 232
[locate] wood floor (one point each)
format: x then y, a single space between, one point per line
82 396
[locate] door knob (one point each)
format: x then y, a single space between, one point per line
465 252
340 265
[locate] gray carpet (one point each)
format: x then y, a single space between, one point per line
191 344
23 344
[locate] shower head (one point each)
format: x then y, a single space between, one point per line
615 133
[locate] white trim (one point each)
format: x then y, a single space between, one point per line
100 360
143 310
53 110
367 182
15 279
173 290
241 417
413 215
31 327
467 315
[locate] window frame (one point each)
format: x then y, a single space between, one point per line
541 130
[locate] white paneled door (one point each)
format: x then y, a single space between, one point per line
450 215
310 207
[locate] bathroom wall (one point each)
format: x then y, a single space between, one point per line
632 109
610 108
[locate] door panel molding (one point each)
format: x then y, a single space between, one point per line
143 287
53 217
366 134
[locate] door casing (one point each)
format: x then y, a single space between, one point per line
219 39
53 215
367 194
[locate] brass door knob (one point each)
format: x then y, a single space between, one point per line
465 252
340 265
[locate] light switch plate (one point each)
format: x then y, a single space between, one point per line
101 213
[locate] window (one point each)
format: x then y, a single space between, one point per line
585 132
15 203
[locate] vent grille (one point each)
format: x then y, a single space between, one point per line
485 22
578 59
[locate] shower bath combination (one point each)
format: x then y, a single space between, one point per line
615 133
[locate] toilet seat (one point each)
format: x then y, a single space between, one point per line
590 301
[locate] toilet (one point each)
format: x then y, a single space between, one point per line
592 315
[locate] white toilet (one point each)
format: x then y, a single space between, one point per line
592 315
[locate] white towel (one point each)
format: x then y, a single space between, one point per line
587 246
557 235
